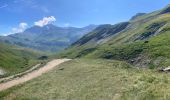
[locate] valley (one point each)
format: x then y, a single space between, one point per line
122 61
48 38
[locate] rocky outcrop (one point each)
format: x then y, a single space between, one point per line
165 10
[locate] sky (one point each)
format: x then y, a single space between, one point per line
17 15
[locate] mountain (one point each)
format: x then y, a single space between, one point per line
47 38
165 10
15 59
137 15
100 33
143 41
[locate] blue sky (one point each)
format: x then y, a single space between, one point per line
16 15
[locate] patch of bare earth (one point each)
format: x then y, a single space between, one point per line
49 66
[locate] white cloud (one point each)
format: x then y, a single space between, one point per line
45 21
6 34
20 28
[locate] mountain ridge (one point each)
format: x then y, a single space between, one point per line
47 38
143 42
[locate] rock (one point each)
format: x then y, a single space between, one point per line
165 10
2 72
165 69
132 61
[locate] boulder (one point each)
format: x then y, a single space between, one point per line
167 69
2 72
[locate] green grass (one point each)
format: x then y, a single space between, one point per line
89 79
15 59
156 48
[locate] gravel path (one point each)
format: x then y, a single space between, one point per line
49 66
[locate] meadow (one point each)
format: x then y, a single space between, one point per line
89 79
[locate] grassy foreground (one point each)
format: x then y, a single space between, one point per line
87 79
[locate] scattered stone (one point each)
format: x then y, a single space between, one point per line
132 61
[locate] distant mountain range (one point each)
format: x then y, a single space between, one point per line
47 38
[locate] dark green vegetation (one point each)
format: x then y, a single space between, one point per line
15 59
47 38
89 79
144 41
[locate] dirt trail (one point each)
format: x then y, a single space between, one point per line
50 65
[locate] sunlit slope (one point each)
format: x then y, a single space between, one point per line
144 41
16 59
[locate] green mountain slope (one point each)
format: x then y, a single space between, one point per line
143 41
15 59
102 32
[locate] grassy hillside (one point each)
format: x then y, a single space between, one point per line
103 31
89 79
144 41
14 59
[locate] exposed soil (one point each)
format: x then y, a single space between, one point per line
49 66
